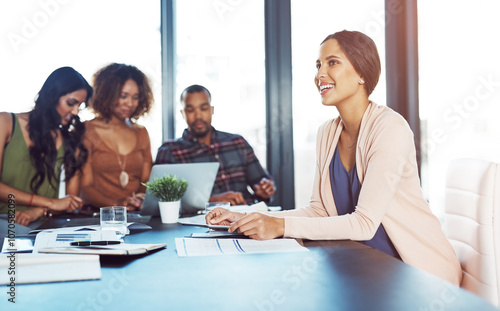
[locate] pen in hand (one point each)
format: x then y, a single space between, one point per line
88 243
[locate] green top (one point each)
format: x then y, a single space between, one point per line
18 170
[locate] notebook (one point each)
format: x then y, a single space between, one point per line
43 268
200 178
115 250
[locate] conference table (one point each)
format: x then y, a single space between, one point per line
333 275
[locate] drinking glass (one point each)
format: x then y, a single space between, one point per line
114 218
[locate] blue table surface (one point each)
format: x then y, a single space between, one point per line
334 275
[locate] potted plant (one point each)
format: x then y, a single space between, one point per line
169 189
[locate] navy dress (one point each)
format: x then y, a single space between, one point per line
345 189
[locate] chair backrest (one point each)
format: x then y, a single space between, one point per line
472 223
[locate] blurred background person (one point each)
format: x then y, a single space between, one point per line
119 149
38 143
201 142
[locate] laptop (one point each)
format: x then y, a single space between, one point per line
200 178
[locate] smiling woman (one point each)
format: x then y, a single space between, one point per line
119 149
366 186
37 143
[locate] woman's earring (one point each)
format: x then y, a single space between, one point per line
361 81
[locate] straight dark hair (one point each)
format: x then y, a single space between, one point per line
44 120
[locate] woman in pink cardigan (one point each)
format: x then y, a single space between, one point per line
366 187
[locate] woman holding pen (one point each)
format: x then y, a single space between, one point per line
367 187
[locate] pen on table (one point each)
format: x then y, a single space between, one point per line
87 243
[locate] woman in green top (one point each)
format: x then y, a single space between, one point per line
36 144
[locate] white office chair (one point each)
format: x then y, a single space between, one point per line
472 223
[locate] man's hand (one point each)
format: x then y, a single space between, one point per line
264 189
235 198
132 203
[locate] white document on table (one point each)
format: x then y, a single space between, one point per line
63 238
212 247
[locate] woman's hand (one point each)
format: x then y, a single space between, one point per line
24 218
132 203
259 226
221 216
68 204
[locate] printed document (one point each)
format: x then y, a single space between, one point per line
212 247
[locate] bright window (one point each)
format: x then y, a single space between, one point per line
459 84
39 36
220 45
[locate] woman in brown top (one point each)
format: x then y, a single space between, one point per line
119 149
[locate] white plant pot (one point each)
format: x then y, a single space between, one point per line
169 211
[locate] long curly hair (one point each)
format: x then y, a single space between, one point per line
44 120
108 83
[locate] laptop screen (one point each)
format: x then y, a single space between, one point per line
200 178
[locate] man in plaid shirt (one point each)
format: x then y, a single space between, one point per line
200 142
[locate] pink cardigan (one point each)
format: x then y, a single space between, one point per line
390 194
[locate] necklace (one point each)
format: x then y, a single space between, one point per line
123 175
124 178
353 143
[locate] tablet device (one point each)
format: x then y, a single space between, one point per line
200 178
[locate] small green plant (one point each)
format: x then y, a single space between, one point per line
168 188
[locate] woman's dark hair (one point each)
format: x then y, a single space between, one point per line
108 83
44 120
362 53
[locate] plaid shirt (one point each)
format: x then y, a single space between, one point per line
239 167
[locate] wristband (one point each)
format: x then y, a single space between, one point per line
31 200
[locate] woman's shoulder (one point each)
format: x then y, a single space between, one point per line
385 116
140 129
6 122
328 125
5 116
142 132
92 124
137 127
6 119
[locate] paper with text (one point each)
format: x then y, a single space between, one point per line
212 247
63 238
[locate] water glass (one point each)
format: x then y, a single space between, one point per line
114 218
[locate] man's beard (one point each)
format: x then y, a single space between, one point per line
201 134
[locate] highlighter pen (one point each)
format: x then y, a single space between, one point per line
87 243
